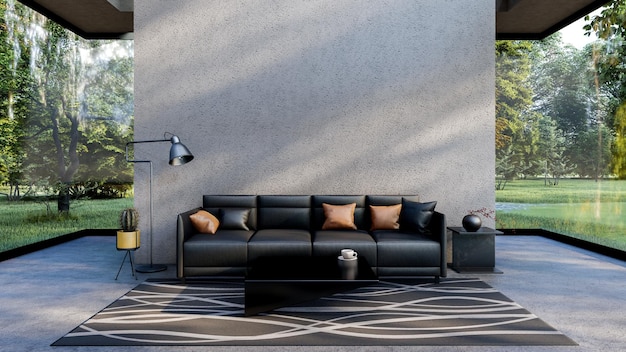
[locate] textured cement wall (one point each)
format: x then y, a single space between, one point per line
314 97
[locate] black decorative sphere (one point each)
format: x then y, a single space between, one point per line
471 223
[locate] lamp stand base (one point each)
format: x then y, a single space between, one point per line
152 268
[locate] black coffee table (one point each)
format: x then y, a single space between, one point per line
275 282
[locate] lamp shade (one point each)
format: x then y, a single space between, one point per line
179 154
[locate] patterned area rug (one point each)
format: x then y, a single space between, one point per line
456 312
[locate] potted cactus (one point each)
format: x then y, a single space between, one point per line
128 236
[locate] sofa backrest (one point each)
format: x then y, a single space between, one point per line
284 212
215 203
389 200
298 211
318 210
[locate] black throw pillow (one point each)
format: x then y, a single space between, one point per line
416 216
234 219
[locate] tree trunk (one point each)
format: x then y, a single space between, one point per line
66 173
63 203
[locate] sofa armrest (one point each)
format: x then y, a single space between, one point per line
438 230
184 230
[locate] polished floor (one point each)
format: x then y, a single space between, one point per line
44 295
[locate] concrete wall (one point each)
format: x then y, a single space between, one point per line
314 97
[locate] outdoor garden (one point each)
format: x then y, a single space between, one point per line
561 132
66 112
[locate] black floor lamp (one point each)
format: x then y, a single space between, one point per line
179 155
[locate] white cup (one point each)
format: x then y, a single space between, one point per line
348 254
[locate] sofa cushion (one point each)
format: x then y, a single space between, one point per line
228 248
214 203
416 216
331 242
402 249
385 217
379 200
339 216
204 222
279 242
317 209
235 219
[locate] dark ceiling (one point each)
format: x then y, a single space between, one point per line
91 19
515 19
537 19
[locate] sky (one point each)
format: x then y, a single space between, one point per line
575 35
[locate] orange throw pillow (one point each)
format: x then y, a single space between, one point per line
339 216
205 222
385 217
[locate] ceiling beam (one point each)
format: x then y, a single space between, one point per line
505 5
123 5
555 27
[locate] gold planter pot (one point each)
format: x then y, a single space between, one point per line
128 240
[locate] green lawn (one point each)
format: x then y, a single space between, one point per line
594 211
23 223
586 209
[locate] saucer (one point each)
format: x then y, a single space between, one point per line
346 260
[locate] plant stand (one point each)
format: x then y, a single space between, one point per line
128 254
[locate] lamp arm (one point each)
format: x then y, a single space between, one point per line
138 142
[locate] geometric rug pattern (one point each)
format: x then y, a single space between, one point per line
454 312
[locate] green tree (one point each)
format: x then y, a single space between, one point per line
513 97
551 149
80 112
609 55
565 86
610 27
107 125
57 107
505 170
513 93
588 157
619 148
562 84
14 98
104 171
539 148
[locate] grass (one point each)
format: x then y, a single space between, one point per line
23 223
585 209
567 191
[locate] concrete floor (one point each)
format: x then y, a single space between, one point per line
44 295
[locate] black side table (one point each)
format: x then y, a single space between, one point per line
474 251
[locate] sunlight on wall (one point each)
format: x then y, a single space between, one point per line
326 97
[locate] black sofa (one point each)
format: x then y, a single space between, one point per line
291 225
